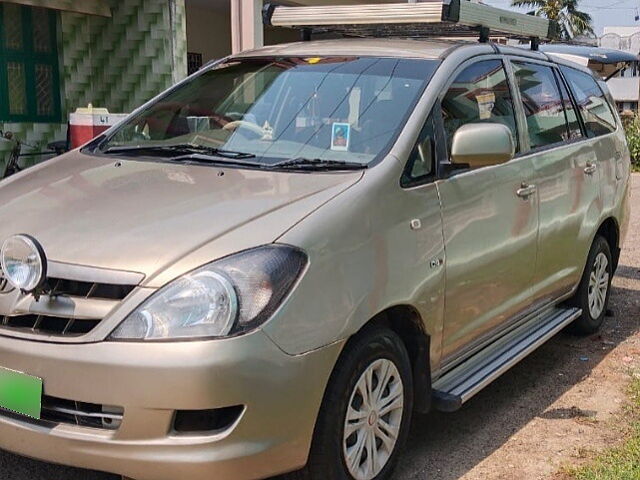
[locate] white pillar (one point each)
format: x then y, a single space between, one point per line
247 31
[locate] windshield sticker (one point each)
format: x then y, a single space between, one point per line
486 102
340 136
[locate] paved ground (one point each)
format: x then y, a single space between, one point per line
553 408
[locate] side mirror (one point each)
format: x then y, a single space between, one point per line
482 144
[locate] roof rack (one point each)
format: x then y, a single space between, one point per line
428 18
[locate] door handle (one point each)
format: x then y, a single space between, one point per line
526 190
591 168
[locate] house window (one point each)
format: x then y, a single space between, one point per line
194 62
29 74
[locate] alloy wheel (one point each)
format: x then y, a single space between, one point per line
598 285
373 420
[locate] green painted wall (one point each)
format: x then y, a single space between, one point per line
117 63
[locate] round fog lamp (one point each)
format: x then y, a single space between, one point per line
23 262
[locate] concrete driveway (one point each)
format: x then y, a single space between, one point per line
527 424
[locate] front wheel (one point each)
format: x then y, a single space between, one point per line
366 412
593 292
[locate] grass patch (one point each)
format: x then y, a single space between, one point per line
622 462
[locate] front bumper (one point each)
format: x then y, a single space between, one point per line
281 395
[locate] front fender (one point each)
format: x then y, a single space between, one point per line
365 257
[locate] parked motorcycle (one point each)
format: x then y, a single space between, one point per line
13 166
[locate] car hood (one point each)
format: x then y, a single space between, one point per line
143 216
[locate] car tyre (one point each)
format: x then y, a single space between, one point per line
376 356
594 290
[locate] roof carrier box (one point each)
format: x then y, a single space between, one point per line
431 18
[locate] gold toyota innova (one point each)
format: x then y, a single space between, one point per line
270 266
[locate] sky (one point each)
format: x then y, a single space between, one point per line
603 12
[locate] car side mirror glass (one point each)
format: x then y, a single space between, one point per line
482 144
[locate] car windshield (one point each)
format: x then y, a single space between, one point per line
275 110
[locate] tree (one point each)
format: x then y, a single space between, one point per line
572 22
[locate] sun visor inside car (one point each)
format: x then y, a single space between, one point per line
604 61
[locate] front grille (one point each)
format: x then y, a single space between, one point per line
48 325
51 319
58 410
74 288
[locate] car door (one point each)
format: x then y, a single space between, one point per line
490 217
566 176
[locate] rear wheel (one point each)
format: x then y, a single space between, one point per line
595 287
365 415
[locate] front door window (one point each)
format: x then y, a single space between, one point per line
480 93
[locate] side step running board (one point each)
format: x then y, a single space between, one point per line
460 384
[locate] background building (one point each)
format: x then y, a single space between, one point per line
57 55
625 87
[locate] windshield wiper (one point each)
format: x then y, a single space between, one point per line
180 149
215 160
319 164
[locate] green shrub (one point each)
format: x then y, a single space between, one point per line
632 128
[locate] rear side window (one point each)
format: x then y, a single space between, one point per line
592 103
480 94
542 103
575 131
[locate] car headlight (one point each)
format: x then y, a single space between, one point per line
224 298
24 263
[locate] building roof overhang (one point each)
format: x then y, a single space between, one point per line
88 7
604 61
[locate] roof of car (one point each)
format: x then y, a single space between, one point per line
383 47
425 48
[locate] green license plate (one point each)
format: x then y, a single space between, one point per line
20 393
